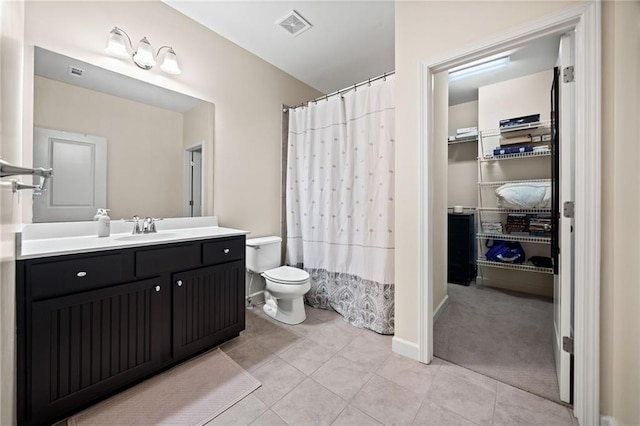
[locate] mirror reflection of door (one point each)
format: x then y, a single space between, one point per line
194 176
79 183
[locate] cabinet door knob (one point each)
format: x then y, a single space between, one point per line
81 274
225 251
157 288
179 282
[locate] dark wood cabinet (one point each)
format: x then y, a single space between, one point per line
93 342
207 307
91 325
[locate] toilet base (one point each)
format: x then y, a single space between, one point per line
289 311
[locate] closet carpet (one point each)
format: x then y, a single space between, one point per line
504 335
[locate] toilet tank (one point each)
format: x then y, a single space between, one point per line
263 253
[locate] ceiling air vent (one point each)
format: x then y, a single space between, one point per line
75 71
293 23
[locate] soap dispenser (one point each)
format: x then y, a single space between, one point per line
104 223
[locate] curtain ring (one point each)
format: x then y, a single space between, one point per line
315 102
355 87
384 78
369 82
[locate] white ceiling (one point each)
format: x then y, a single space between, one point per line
349 42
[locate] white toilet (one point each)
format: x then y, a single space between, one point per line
285 285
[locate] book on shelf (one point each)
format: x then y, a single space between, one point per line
492 227
540 225
517 224
515 140
512 150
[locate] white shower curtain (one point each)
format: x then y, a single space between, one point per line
340 202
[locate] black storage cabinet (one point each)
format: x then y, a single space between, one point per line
93 324
461 259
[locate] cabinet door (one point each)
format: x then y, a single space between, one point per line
86 345
208 307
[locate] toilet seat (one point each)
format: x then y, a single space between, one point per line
287 275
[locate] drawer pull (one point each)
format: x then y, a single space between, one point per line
157 288
226 251
81 274
179 282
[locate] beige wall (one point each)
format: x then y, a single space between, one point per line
198 129
11 136
463 158
620 309
144 145
246 91
515 98
418 23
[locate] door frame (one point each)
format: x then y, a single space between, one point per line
585 19
187 182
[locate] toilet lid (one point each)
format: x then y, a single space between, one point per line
287 275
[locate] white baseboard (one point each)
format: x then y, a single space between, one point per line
441 308
405 348
608 421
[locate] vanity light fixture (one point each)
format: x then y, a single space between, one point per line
143 57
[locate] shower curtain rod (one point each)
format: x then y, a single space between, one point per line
341 91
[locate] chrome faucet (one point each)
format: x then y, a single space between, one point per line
136 225
148 225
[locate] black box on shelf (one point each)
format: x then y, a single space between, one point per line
519 121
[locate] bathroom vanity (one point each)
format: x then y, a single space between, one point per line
97 315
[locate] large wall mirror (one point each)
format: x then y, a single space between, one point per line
118 143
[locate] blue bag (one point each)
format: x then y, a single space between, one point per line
505 252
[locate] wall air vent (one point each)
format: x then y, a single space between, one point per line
75 71
293 23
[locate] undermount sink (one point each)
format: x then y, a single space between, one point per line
150 237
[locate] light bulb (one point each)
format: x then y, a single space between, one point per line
117 45
144 55
170 62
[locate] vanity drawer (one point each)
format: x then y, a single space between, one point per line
174 258
223 251
70 276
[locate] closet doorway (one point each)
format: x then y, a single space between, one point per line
585 176
503 313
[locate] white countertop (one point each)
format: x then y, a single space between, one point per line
57 239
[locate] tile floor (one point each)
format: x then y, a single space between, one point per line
327 372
